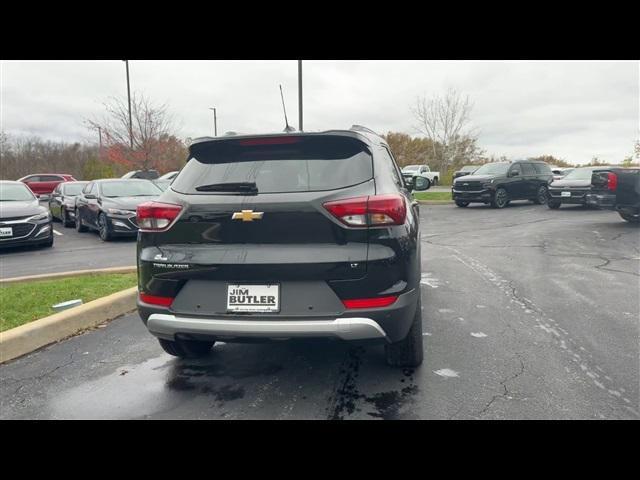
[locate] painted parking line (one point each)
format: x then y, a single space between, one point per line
57 232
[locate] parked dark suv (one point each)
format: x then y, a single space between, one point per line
283 236
498 183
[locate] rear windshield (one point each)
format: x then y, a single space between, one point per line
130 188
289 164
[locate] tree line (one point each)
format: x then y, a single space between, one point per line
150 142
445 141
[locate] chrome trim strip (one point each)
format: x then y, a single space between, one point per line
468 191
166 325
12 222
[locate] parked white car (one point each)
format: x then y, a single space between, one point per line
423 171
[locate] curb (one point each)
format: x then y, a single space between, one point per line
436 202
47 276
26 338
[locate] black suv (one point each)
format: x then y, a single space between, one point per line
498 183
283 236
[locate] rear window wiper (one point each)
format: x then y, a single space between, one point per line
235 187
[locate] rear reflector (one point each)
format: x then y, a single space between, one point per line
370 302
269 141
155 300
612 181
376 210
156 216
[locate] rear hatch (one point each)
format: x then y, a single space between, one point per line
253 213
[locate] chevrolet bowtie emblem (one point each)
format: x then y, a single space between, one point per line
247 215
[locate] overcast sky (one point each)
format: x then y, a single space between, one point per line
574 110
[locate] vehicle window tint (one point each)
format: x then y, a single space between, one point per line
87 188
528 169
542 168
393 167
50 178
277 164
515 168
34 178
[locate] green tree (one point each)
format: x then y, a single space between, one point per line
95 168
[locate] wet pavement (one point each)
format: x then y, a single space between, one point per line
528 313
71 251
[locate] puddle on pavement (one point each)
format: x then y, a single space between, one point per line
157 385
388 405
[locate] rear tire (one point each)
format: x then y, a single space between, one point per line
629 217
500 198
435 181
409 351
186 348
462 204
79 226
554 204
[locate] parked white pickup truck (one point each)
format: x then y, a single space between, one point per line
423 171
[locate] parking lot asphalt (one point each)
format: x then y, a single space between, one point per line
528 314
71 251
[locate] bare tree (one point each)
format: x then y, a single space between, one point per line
151 126
445 121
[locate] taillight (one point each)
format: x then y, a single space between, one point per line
155 300
612 181
156 216
369 302
376 210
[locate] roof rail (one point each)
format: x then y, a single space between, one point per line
360 128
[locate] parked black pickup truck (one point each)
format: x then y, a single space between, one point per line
617 189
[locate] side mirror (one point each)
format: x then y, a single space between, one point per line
514 173
420 184
409 182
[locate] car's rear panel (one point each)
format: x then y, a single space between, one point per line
297 243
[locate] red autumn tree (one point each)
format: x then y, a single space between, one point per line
150 143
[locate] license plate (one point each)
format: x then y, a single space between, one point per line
6 232
253 298
565 194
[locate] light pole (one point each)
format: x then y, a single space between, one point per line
100 140
300 95
215 122
129 98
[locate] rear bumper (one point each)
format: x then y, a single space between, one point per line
167 326
606 201
386 323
